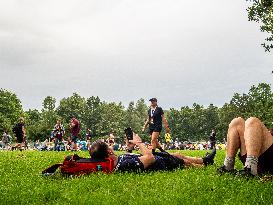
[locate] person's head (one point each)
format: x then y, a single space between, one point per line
153 102
99 150
21 120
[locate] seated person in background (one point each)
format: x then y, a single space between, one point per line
255 144
6 139
146 161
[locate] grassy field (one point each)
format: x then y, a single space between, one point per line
21 182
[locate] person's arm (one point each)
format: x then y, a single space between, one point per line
145 125
147 157
166 125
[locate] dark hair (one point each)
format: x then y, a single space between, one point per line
99 150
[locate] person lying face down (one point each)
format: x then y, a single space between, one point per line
146 161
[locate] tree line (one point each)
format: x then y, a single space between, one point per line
189 123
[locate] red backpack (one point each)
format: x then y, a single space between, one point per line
75 165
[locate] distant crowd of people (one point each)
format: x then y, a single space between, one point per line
56 141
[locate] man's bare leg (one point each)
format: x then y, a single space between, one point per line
197 161
257 140
235 141
194 160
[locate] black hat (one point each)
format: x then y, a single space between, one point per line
153 100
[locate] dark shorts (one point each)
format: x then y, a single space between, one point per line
155 128
265 161
74 139
129 163
19 139
166 162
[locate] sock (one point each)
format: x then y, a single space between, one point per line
161 150
229 163
252 163
153 150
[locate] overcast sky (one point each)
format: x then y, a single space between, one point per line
121 50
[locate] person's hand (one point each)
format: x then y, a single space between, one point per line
136 139
129 145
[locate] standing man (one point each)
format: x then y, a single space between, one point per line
75 130
58 133
212 139
20 134
155 119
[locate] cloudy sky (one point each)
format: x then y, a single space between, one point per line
178 51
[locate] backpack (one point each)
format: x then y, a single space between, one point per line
75 165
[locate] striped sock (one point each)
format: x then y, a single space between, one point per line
252 163
229 163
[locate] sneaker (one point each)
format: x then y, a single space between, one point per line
209 158
246 172
223 169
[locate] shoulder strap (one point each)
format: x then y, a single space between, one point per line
52 169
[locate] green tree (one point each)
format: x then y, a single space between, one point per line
113 119
49 103
73 106
261 11
10 109
260 103
131 118
211 119
93 115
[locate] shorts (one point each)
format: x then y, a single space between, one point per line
166 162
155 128
265 161
19 139
74 139
129 163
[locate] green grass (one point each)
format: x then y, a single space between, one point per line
21 183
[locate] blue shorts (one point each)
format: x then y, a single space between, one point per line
129 163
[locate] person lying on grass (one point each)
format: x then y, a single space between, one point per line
256 148
147 161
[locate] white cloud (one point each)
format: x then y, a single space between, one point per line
180 51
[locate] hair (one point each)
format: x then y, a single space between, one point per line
21 119
99 150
